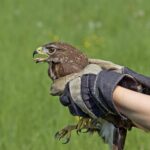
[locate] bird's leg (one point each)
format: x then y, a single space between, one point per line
87 125
83 123
65 133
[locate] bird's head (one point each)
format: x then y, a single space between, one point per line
63 59
46 53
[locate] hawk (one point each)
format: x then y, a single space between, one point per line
66 62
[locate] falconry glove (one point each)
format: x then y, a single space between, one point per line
91 93
72 98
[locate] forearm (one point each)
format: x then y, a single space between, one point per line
134 105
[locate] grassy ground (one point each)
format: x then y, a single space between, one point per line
113 30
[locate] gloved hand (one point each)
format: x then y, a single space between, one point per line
72 98
91 94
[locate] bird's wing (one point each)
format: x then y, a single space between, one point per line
106 131
59 84
113 136
105 64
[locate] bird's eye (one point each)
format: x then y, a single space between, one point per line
52 50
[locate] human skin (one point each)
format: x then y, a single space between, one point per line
134 105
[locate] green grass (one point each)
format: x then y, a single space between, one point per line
113 30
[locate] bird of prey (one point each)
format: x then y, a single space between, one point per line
64 62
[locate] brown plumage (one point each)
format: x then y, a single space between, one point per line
63 59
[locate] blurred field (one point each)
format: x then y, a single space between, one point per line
113 30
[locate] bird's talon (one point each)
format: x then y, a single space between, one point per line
65 134
66 141
56 135
84 130
59 135
78 131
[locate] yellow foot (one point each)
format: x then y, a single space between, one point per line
84 125
65 133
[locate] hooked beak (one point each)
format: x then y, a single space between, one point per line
42 52
34 53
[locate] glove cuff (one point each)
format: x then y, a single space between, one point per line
142 80
105 84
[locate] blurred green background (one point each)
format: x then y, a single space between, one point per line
117 30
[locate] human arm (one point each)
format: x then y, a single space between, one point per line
134 105
95 90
